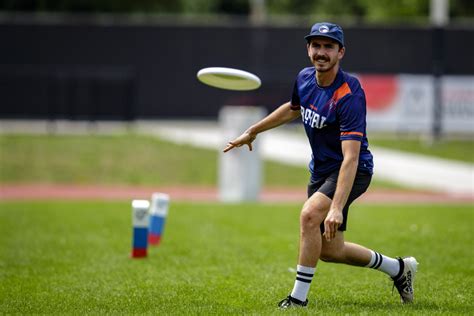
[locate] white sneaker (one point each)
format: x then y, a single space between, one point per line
405 278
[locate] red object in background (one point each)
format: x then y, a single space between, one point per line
380 90
139 253
154 239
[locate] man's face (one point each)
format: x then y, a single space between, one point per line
324 53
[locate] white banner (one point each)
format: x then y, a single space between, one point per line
404 103
458 103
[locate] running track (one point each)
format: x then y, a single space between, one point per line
204 194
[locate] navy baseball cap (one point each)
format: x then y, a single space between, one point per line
326 29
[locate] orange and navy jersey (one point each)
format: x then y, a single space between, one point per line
330 115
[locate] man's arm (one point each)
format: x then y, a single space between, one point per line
345 181
281 115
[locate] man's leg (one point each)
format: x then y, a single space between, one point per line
340 251
312 215
402 271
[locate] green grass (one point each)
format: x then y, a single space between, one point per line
72 257
462 150
123 159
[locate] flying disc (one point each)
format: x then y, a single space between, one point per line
229 78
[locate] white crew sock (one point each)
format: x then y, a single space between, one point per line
383 263
304 275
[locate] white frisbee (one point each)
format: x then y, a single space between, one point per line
229 78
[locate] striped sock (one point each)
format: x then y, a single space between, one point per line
304 275
383 263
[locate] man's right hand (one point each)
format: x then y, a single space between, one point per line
245 139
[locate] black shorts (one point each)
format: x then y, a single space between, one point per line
327 186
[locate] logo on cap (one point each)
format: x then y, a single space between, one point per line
323 29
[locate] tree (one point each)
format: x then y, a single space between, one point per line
363 10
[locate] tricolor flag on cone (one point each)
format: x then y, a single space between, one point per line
140 228
158 213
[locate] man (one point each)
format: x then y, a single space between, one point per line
331 104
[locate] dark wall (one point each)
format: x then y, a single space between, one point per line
91 71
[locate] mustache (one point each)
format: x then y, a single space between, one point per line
317 57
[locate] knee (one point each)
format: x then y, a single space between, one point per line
311 217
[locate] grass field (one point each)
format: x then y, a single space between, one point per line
72 257
124 159
462 150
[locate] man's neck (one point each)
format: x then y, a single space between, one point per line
326 78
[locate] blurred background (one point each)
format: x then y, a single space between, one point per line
105 61
126 60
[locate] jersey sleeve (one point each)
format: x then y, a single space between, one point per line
352 117
295 97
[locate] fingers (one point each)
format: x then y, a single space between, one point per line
230 145
234 144
326 235
332 232
244 139
329 233
326 231
330 228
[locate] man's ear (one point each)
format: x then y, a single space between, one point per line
341 53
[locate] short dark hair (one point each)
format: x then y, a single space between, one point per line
308 40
